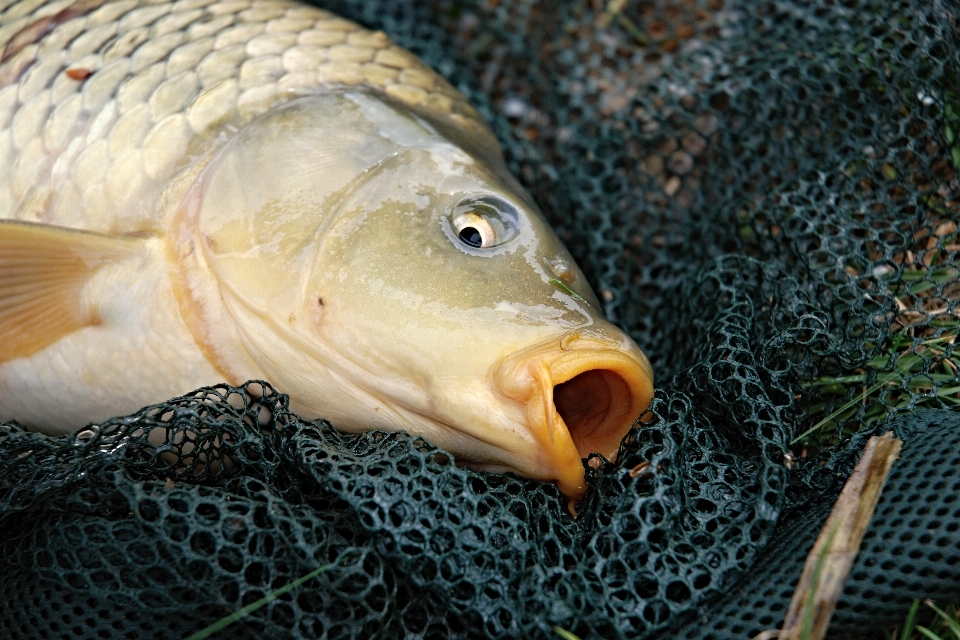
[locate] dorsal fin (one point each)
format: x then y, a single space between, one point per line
43 270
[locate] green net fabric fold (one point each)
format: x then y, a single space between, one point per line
200 525
763 194
910 549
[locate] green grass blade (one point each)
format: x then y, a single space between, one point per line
253 606
930 634
856 400
893 377
563 633
567 290
911 622
952 624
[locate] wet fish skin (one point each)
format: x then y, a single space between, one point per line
198 191
162 83
166 79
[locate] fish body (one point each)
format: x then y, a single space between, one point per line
210 190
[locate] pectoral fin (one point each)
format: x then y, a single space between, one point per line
43 270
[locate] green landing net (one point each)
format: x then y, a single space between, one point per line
763 194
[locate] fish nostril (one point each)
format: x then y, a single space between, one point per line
595 406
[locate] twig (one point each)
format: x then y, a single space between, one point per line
615 9
833 553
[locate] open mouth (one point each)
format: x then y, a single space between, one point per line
580 399
595 406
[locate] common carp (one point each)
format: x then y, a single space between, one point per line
210 190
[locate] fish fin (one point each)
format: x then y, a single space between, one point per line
43 270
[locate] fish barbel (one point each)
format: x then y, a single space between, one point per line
210 190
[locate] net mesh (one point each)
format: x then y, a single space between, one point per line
763 194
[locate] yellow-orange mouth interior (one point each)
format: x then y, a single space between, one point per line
595 405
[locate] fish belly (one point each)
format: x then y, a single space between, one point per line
139 353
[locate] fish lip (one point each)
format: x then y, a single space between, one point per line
532 377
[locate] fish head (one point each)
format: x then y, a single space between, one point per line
386 275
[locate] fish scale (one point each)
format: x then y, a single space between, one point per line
200 191
165 79
160 84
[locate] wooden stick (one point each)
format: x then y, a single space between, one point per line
833 553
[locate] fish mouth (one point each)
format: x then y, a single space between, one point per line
582 396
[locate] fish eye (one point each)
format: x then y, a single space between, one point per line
485 222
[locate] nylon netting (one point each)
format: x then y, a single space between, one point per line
763 194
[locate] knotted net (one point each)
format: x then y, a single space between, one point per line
765 197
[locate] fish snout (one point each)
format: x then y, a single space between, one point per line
582 396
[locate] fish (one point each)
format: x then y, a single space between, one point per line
201 191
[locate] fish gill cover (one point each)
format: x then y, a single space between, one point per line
764 195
